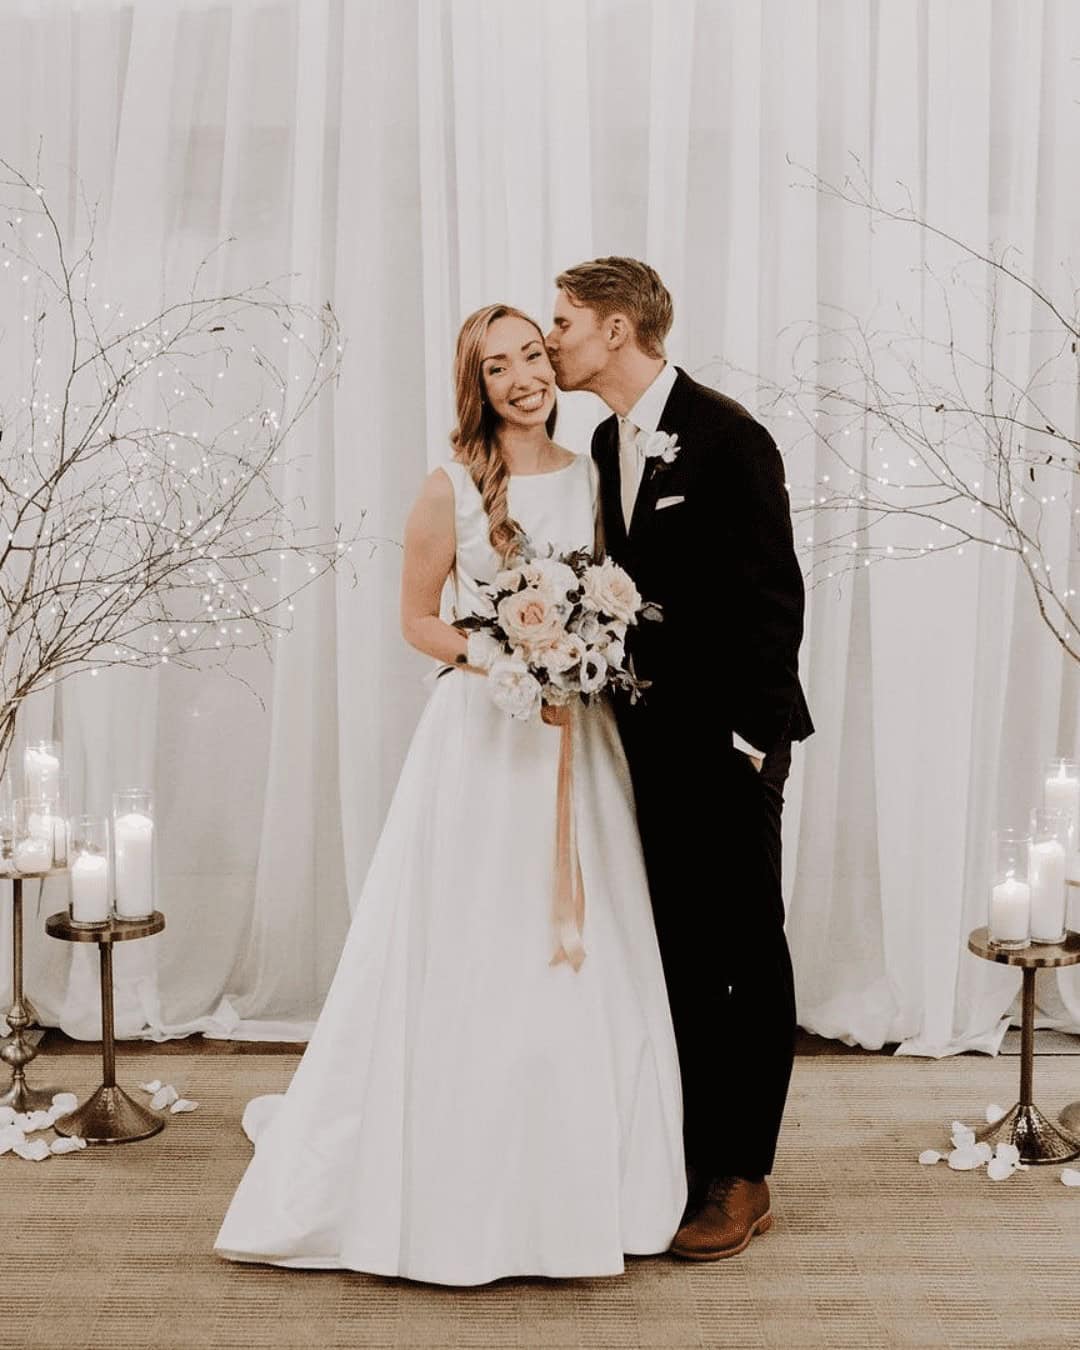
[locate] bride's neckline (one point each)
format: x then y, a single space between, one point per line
546 473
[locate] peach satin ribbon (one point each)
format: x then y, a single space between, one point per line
568 911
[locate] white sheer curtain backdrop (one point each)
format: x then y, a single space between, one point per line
412 159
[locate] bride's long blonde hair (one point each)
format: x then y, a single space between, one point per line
475 438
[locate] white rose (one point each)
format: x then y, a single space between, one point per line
483 650
513 689
568 651
587 626
551 574
607 588
659 445
530 619
508 580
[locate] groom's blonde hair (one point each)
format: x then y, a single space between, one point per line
623 286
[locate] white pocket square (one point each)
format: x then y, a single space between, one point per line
668 501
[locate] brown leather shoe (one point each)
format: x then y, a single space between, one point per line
734 1211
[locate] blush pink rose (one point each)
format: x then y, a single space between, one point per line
530 619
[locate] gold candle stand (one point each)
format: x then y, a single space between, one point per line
18 1049
1038 1139
109 1115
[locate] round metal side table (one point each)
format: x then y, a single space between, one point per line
1024 1124
109 1116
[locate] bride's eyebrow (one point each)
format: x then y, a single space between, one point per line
501 356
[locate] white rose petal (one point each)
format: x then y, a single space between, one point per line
1070 1176
929 1156
984 1151
182 1105
994 1113
7 1115
997 1169
164 1096
72 1145
63 1103
11 1137
152 1086
963 1136
38 1120
35 1150
964 1160
1009 1153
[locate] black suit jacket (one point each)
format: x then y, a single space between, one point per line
722 564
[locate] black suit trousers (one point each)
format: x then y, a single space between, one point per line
710 829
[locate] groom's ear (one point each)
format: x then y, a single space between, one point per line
618 331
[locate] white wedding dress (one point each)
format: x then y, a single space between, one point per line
465 1110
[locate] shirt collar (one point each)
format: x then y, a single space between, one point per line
649 408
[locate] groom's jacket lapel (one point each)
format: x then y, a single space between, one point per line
605 450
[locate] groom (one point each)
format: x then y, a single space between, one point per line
694 506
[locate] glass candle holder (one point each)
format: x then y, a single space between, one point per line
1051 833
134 869
39 839
7 828
1061 792
41 770
88 873
1010 895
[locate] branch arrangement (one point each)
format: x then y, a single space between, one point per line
145 511
949 428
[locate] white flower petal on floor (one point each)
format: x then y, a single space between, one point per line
994 1113
10 1137
34 1150
7 1115
63 1103
153 1086
37 1120
997 1169
1008 1153
182 1105
963 1136
164 1096
1070 1176
965 1159
929 1156
984 1151
72 1145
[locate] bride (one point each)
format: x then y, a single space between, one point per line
467 1109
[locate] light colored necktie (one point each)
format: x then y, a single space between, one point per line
630 466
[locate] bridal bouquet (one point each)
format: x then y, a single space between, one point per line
555 630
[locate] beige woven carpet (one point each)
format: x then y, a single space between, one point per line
111 1247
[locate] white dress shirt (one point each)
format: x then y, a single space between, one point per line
645 416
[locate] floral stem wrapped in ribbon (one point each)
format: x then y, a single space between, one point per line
554 634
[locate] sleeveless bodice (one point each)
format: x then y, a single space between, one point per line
556 508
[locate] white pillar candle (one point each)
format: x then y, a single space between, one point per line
1046 877
1010 911
1062 793
90 888
33 855
42 772
133 834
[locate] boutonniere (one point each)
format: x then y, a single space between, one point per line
659 446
